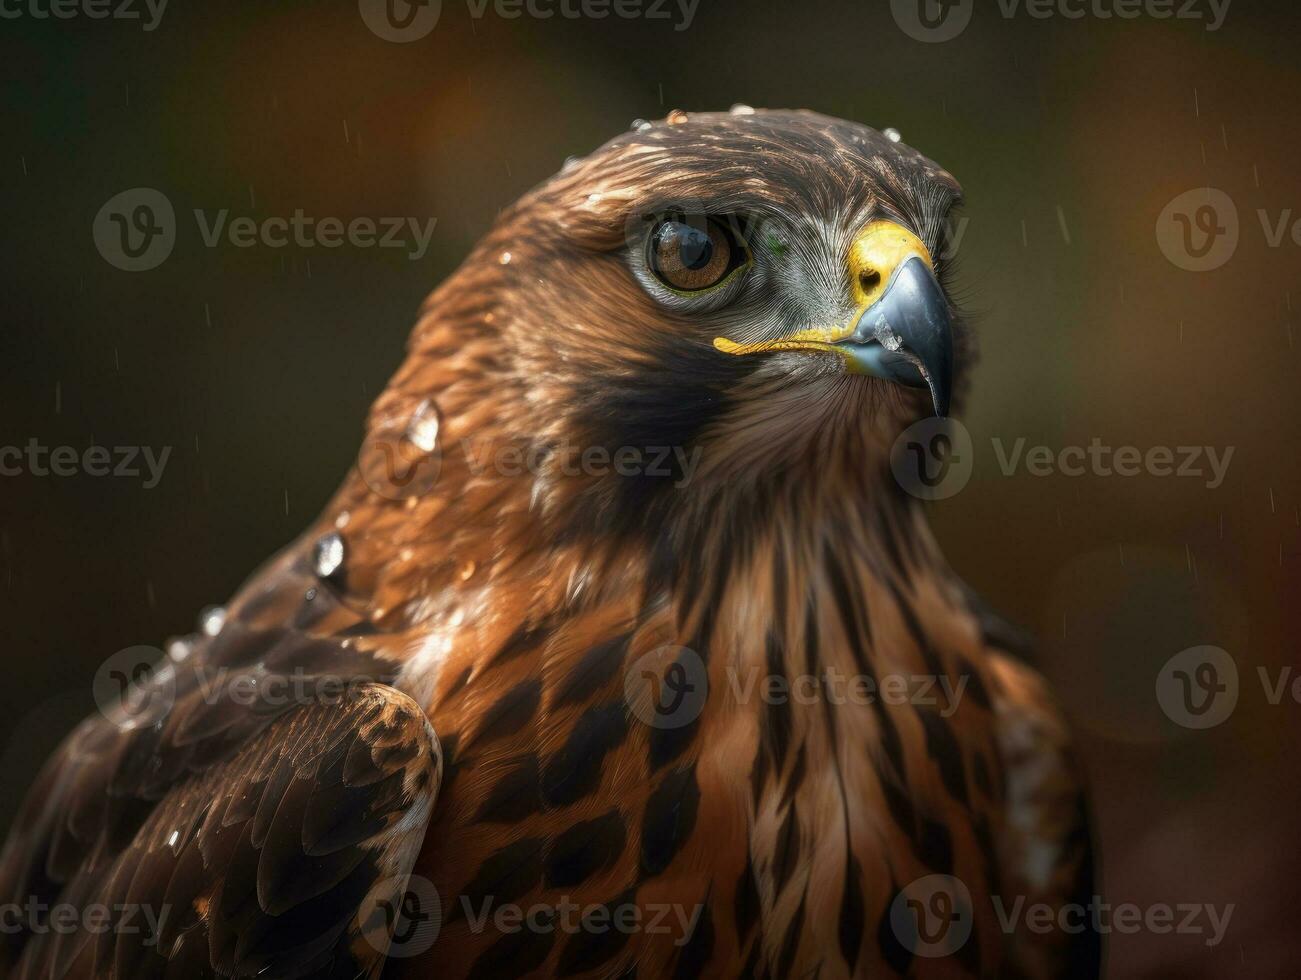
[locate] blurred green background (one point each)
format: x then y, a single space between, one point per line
1070 136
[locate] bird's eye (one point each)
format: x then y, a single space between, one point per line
692 254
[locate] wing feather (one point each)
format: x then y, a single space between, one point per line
249 835
1047 840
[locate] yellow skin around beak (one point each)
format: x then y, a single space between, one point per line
881 248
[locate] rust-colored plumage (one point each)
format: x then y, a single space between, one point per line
593 550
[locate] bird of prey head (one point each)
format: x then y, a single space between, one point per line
762 291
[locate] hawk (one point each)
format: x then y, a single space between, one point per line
621 652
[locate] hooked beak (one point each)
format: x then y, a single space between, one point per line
903 331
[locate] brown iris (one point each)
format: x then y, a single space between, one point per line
695 253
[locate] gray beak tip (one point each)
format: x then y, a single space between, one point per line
911 322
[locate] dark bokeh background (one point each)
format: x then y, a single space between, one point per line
257 365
